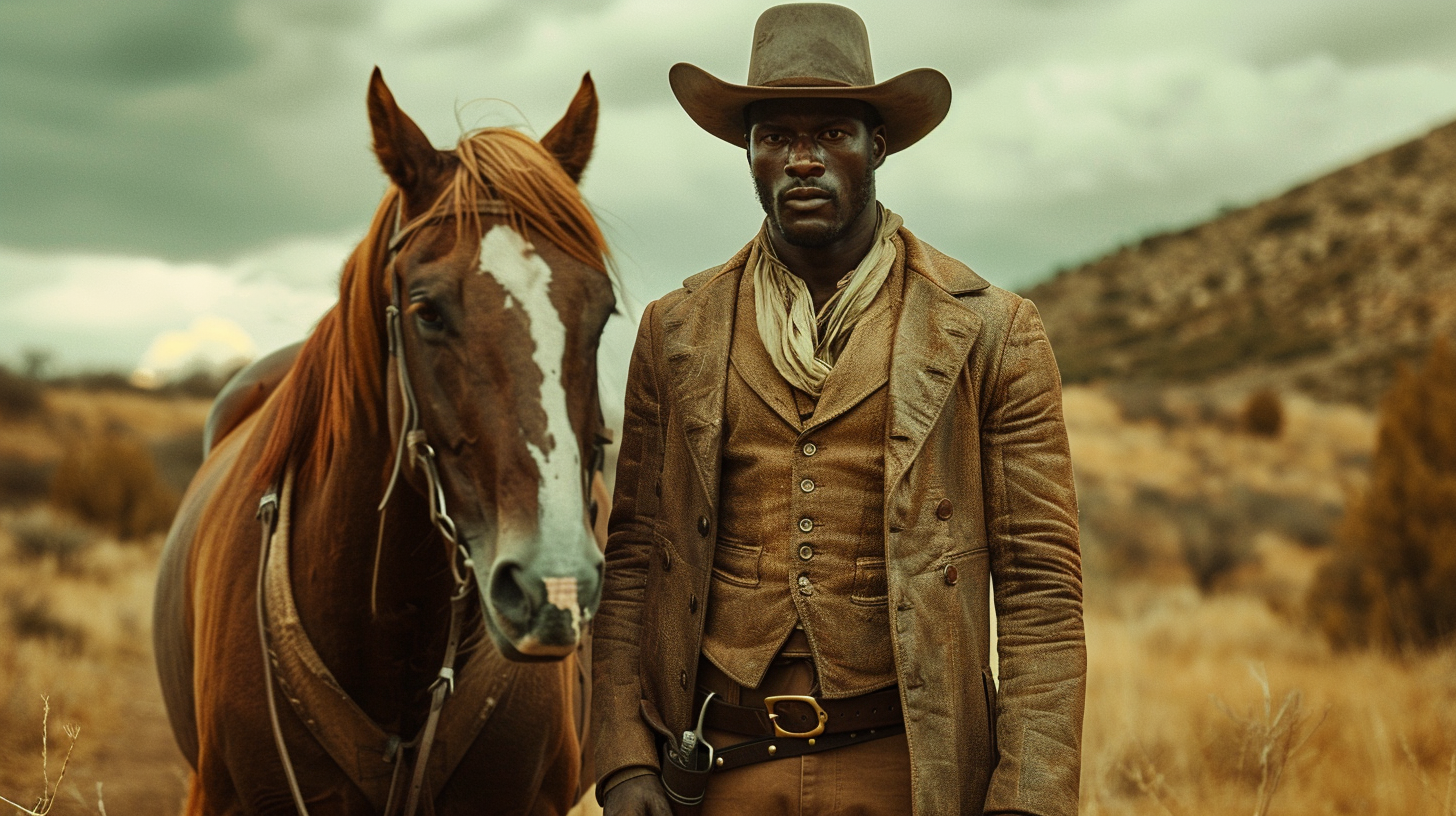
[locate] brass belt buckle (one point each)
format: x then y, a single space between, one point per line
769 702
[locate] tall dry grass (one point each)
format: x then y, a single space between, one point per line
1216 695
1178 721
1206 695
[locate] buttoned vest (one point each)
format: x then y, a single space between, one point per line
801 523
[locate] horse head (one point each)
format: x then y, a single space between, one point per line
500 292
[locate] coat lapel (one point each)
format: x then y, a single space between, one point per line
932 343
697 334
865 363
750 359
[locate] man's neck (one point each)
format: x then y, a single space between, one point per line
821 268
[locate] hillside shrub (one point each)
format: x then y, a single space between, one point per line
39 533
1392 580
21 397
1263 413
23 481
112 482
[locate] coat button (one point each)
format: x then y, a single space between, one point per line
702 525
693 603
682 678
951 574
943 510
810 449
806 525
806 552
807 485
667 560
805 588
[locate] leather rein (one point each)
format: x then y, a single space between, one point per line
414 443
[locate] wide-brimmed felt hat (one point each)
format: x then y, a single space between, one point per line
813 50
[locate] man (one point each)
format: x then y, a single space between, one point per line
832 443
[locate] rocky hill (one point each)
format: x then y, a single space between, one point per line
1322 289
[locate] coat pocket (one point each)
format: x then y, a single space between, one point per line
870 587
736 564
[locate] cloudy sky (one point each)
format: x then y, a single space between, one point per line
169 164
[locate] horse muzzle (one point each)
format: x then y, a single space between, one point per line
539 610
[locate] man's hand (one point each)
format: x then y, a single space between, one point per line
638 796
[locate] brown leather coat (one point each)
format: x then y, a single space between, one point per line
978 484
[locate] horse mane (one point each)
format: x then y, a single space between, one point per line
340 369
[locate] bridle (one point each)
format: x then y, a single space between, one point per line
414 444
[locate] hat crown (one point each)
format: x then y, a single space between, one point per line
808 45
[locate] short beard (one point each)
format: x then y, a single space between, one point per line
818 237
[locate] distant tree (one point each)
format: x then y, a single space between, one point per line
36 362
1392 579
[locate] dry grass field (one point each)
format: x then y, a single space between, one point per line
1208 693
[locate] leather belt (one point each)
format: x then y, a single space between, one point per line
791 716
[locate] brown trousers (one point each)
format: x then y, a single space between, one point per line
867 779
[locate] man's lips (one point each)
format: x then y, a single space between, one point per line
803 199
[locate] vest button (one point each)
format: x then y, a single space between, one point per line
807 485
682 678
667 560
806 552
943 510
657 488
810 449
806 525
703 526
693 603
951 575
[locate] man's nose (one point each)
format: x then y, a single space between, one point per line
804 160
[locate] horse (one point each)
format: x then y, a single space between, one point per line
375 590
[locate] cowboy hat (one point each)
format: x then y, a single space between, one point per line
813 50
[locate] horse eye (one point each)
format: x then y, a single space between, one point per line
428 316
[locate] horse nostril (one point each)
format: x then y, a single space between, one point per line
509 596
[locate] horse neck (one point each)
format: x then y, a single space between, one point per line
378 654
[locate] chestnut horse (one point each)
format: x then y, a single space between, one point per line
373 595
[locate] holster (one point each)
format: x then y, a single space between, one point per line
686 777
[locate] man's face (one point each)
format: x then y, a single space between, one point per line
813 163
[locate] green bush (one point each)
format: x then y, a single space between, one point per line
1392 580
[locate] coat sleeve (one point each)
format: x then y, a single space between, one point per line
622 737
1037 577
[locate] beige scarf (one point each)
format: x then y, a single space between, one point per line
804 346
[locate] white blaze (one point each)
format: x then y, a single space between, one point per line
505 256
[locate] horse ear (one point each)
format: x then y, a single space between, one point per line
571 140
403 150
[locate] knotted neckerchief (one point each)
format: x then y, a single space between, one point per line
804 346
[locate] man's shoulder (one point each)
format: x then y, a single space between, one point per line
956 278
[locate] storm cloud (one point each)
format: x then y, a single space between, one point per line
211 141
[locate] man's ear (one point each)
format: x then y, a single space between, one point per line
404 151
879 147
571 140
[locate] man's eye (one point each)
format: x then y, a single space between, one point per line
835 134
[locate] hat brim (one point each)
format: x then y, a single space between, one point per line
911 104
